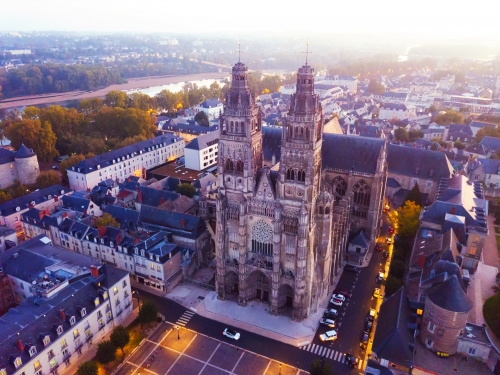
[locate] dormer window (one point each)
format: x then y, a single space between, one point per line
115 290
3 371
72 320
96 301
136 251
32 351
17 362
59 330
143 253
105 295
83 312
111 243
46 340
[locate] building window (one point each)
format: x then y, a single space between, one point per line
37 366
46 340
472 351
124 284
96 302
72 320
431 327
76 334
32 351
17 362
64 344
429 343
115 290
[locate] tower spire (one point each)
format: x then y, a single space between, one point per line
239 51
307 51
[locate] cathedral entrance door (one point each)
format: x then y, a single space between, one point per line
289 301
259 294
265 297
258 286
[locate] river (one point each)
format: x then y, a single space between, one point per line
175 87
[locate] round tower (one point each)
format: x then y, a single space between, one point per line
27 165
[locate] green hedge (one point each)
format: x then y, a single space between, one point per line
491 312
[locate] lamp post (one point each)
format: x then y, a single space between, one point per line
178 335
280 369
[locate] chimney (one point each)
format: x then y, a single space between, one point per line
421 260
41 214
162 200
453 210
62 314
183 222
94 271
136 241
20 345
101 231
56 198
139 197
64 215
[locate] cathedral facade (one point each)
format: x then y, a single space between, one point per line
282 228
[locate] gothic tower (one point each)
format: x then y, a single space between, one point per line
240 156
299 185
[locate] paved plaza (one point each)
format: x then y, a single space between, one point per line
169 350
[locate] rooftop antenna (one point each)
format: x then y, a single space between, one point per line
239 51
307 50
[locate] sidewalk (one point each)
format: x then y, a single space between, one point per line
90 353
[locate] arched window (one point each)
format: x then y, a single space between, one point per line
232 127
361 193
239 166
262 238
320 210
292 174
301 132
288 174
307 133
242 126
290 131
327 210
296 132
340 185
301 176
237 128
229 165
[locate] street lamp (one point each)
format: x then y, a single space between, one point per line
280 369
178 335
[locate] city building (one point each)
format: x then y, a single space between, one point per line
19 165
280 230
395 111
7 298
133 160
8 238
202 152
69 302
212 107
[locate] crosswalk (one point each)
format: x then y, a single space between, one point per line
185 318
323 351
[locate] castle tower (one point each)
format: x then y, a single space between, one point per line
299 183
240 156
27 165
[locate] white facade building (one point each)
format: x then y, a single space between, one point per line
212 107
130 160
389 111
202 152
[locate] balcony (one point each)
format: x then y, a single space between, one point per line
119 312
101 326
64 346
51 355
109 318
89 337
38 367
127 304
108 308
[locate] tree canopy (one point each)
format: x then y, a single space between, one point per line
106 352
88 368
489 131
201 118
375 87
120 337
106 220
48 178
408 219
148 312
186 189
449 116
68 163
401 134
414 195
321 367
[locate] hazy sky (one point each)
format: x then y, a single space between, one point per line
442 18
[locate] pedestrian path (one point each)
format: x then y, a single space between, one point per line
185 318
323 351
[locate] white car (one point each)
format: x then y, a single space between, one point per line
231 334
332 312
339 296
328 336
336 302
327 322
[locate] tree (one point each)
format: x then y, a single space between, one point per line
116 99
106 352
448 117
148 312
88 368
414 195
48 178
201 118
68 163
186 189
397 269
90 106
375 87
496 287
401 135
106 220
408 219
392 284
4 196
120 337
321 367
459 145
415 134
489 131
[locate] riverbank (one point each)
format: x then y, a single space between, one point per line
132 84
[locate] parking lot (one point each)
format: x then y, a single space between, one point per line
182 351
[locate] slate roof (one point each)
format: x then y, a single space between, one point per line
347 152
271 143
203 141
183 225
210 103
90 165
418 163
490 143
393 335
360 239
39 196
75 203
126 217
490 166
393 106
481 124
450 296
392 183
6 156
155 197
459 128
24 152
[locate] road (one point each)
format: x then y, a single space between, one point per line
351 324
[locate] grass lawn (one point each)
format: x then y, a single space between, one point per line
491 312
136 336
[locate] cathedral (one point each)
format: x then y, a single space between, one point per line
283 221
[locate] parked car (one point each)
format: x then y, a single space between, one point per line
327 322
336 302
364 338
378 247
388 240
350 268
351 360
345 293
376 293
368 326
391 230
371 315
331 312
339 296
380 277
385 254
328 336
231 334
